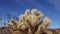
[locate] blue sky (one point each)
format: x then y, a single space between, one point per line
50 8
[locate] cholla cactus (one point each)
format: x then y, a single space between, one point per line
27 12
21 25
37 13
21 18
46 22
44 25
30 21
12 24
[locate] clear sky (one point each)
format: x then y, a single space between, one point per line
50 8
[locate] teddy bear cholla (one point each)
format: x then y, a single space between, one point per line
29 23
